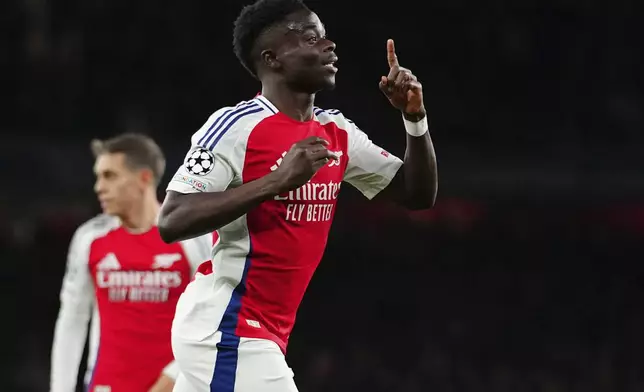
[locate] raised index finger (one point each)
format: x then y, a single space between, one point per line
392 59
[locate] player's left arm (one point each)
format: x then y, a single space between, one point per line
417 183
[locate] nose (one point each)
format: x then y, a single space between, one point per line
98 187
330 46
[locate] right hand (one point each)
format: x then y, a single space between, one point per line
302 161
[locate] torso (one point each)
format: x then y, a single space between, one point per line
289 234
138 280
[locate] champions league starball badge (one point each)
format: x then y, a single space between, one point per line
200 162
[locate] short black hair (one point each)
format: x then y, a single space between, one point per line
141 152
253 20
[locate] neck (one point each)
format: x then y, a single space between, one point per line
143 215
296 105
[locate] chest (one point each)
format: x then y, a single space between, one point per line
269 143
122 260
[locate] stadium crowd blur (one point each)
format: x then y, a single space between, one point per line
525 277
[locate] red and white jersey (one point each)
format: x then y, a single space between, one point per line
264 260
134 281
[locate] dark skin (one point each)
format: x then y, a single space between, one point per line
295 60
416 185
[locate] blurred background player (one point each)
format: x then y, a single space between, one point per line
125 277
269 172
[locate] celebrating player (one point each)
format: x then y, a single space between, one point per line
119 260
266 174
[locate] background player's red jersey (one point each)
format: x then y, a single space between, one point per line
135 281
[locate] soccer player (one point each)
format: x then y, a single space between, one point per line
266 174
118 261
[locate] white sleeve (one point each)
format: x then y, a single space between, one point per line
370 168
213 162
76 297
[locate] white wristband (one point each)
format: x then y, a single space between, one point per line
416 128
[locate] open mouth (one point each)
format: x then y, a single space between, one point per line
330 64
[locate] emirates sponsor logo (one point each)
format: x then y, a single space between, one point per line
138 286
161 279
303 206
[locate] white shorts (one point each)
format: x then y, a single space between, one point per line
226 363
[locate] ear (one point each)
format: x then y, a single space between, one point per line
269 59
146 177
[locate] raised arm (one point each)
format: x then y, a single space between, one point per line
418 179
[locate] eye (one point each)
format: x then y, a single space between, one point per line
312 39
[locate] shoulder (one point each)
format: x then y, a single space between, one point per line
326 116
232 122
95 228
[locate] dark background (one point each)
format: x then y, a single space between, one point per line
525 277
